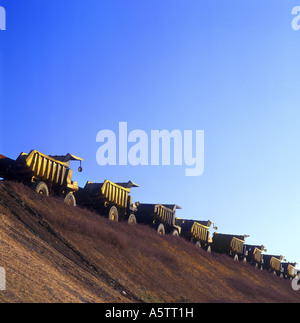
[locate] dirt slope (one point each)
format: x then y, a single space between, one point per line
55 253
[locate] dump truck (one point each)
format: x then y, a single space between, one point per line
272 263
45 174
197 232
233 245
109 199
253 254
161 217
288 270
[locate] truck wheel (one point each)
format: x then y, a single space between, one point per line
198 244
175 233
70 199
132 219
40 188
113 214
161 229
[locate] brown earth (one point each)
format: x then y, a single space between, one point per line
55 253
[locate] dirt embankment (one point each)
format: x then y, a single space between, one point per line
55 253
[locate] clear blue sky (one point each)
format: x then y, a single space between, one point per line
69 69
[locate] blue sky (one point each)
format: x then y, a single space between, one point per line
69 69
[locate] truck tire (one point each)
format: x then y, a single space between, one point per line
132 219
70 199
113 214
40 188
161 229
198 244
175 233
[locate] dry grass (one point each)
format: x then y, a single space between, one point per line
128 263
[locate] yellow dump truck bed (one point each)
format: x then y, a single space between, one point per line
275 264
99 195
107 191
166 213
152 214
227 243
195 230
272 262
36 166
237 245
200 231
257 255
